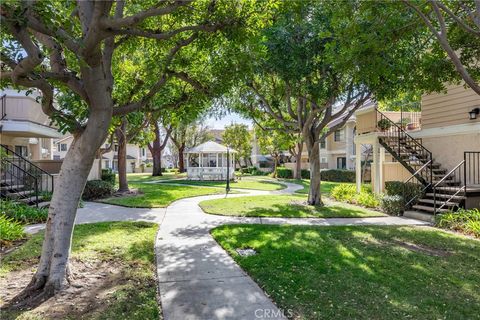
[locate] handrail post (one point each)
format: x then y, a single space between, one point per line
465 172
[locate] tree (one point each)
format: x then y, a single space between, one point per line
456 27
188 135
238 137
156 147
126 131
273 142
82 49
319 62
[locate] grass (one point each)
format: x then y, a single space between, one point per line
157 195
261 183
128 243
282 206
325 186
143 177
361 272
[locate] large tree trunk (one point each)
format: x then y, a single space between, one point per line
157 162
52 272
122 157
298 161
181 160
314 195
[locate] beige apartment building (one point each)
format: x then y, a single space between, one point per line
438 148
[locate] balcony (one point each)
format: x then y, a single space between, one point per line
22 116
369 121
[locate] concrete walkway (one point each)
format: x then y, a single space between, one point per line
197 279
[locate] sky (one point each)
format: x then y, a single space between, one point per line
226 120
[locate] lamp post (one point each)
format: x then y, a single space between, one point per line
227 188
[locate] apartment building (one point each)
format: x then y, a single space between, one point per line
437 149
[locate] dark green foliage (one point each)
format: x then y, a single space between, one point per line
465 221
10 230
284 173
392 205
22 213
305 174
408 191
253 171
384 124
108 176
337 175
97 189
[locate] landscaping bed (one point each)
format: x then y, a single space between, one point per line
360 272
113 269
283 206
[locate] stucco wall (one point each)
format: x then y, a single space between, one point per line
448 150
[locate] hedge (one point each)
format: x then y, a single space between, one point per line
305 174
284 173
337 175
108 176
405 190
97 189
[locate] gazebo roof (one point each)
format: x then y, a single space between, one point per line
210 147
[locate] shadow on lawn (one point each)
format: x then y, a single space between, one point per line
108 281
361 272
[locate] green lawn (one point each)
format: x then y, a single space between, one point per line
130 245
283 206
157 195
143 177
361 272
245 183
325 186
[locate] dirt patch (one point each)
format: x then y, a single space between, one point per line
423 249
129 193
93 284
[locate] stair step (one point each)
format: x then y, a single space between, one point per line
428 217
445 196
20 194
6 181
30 199
14 187
451 203
428 209
449 189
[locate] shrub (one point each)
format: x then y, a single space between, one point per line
97 189
254 171
348 193
337 175
465 221
392 205
284 173
305 174
22 213
406 190
10 230
384 124
108 176
46 195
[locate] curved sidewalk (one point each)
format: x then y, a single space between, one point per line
197 279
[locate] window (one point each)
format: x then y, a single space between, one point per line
143 152
322 143
115 147
107 164
63 147
21 150
338 135
323 160
341 163
56 157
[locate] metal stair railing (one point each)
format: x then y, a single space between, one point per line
456 173
391 132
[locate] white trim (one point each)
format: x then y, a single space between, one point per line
365 110
465 128
28 129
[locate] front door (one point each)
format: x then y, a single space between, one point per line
341 163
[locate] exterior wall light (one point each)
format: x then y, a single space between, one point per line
473 114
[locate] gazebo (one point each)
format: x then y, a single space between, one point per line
208 161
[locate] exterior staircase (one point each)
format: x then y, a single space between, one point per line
442 190
22 181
